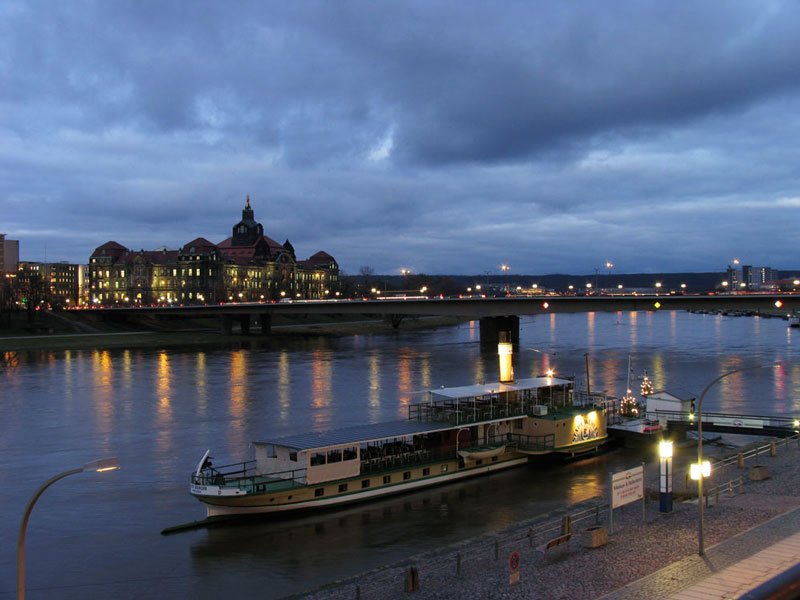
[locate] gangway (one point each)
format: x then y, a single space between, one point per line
770 425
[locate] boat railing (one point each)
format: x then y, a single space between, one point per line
531 442
406 459
244 476
466 411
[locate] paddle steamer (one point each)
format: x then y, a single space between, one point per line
454 433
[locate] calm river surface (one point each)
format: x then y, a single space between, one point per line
98 535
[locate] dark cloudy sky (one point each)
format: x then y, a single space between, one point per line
445 137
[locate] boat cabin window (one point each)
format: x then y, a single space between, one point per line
387 479
334 456
293 456
426 471
319 491
350 453
342 487
365 483
272 451
317 459
407 475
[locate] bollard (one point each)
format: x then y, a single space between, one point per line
412 579
773 449
566 525
740 460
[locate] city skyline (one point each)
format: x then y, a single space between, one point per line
547 138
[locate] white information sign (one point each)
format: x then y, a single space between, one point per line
627 486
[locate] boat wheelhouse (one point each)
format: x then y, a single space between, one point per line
452 434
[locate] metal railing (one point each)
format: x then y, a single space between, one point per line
754 422
244 477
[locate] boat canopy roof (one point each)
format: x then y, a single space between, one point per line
361 434
471 391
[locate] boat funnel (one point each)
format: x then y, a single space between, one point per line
505 352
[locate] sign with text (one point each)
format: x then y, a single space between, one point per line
627 486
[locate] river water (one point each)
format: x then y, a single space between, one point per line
98 535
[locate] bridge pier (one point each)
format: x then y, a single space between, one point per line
490 328
226 325
244 324
266 323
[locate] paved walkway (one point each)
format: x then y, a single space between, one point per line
728 569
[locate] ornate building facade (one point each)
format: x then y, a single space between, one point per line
246 267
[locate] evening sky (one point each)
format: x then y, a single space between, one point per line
440 136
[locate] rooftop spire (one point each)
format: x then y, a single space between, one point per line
247 204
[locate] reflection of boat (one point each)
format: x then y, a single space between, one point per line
477 452
455 433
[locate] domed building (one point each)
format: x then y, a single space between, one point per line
246 267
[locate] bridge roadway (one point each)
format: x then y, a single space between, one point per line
495 314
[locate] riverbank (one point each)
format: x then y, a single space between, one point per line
102 336
637 547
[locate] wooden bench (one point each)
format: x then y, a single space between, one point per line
562 539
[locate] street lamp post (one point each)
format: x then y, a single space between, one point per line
106 464
701 472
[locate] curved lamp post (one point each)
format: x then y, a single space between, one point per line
700 473
106 464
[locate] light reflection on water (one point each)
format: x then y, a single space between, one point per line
159 411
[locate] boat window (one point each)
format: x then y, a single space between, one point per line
293 456
444 468
350 453
407 475
317 459
342 487
518 424
272 451
365 483
319 492
334 456
494 459
479 461
426 471
387 479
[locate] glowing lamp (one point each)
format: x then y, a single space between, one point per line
550 373
700 470
657 304
665 449
545 305
778 303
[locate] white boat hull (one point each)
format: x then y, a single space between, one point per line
218 505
